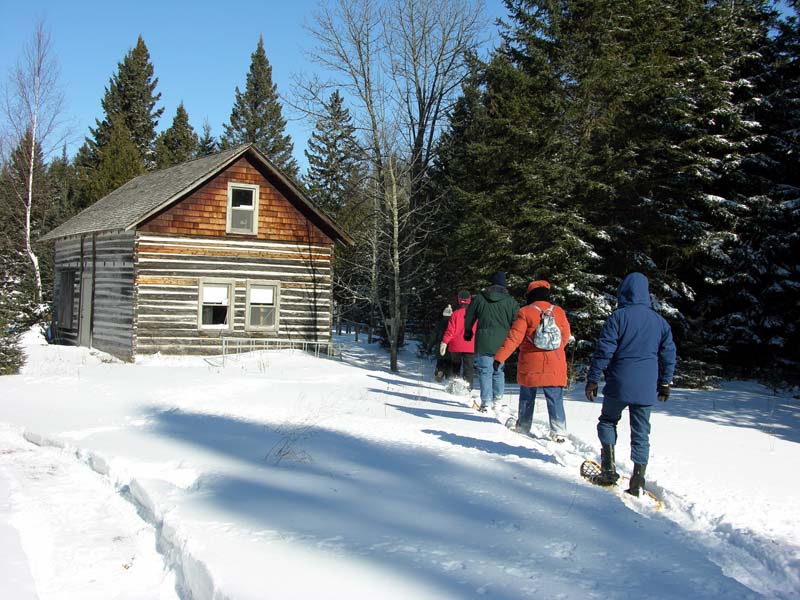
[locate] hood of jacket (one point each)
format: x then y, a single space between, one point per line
634 289
495 293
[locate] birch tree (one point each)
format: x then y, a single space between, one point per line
402 62
33 107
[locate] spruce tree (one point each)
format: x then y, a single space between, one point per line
130 96
752 278
178 143
207 143
11 355
333 156
118 161
257 117
510 174
13 190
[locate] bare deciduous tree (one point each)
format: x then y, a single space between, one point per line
33 106
401 62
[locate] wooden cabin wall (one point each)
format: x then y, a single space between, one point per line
68 259
168 270
108 259
112 322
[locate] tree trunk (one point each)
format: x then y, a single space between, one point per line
37 276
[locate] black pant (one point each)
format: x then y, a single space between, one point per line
444 368
465 360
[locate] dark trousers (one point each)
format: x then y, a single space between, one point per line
465 360
640 427
444 368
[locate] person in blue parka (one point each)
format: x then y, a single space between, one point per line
636 353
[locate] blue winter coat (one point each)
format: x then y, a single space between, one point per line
635 349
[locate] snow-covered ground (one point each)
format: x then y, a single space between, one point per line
279 475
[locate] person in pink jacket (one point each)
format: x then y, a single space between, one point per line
462 352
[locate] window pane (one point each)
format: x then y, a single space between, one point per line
242 220
215 294
262 316
241 198
262 295
215 315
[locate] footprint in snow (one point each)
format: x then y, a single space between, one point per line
561 549
452 565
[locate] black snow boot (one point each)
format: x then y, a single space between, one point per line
637 480
608 473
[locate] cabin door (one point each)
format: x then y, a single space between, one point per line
85 323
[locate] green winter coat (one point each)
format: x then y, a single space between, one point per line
495 311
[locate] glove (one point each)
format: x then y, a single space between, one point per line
663 392
442 349
468 335
496 365
591 390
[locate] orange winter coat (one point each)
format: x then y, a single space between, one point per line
537 367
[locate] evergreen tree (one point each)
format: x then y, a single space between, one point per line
11 355
333 182
510 172
118 161
131 97
257 116
752 278
207 144
333 157
80 194
178 143
13 190
61 173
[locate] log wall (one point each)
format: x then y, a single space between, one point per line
68 255
168 271
112 314
108 257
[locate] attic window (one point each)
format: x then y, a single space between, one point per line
242 208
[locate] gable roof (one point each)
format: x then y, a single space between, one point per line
141 197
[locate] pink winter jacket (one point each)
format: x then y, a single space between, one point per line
454 334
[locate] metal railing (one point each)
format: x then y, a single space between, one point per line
235 346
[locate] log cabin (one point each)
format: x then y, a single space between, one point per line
223 246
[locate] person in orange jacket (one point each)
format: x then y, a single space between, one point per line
462 352
538 368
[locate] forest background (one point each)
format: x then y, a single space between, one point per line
597 138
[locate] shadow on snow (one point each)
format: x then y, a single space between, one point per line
417 511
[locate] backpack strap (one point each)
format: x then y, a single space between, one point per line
549 311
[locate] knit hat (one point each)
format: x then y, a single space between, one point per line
538 290
464 297
499 278
538 283
448 310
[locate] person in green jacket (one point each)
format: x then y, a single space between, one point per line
495 311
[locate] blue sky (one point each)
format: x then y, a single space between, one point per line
200 51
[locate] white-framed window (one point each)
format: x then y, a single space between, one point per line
242 208
263 305
215 304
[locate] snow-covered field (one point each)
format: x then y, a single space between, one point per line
279 475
